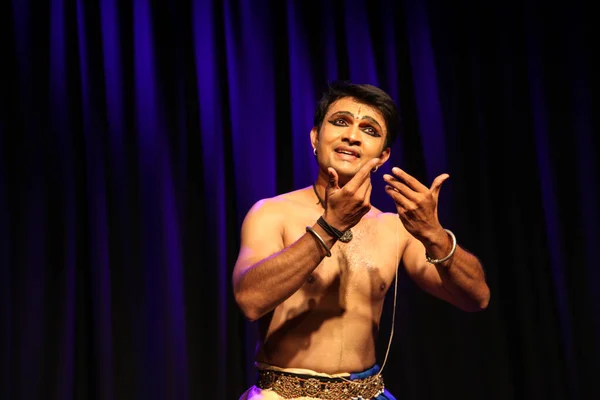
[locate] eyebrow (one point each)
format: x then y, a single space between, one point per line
367 117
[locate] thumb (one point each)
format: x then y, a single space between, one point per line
437 183
333 178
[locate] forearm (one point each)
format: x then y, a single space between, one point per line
269 282
462 276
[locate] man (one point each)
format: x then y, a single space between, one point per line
315 263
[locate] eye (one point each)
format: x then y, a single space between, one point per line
371 131
339 122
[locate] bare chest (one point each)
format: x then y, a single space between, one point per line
363 267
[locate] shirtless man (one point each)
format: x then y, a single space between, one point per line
318 298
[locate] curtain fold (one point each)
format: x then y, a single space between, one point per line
136 135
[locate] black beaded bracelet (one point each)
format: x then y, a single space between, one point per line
344 237
329 229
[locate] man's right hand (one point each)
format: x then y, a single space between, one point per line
344 207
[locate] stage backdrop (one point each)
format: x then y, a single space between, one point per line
135 135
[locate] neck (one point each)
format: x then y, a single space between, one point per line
322 182
320 186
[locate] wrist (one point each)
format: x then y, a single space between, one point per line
329 236
334 223
440 250
436 239
322 238
342 236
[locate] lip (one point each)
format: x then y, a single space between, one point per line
352 153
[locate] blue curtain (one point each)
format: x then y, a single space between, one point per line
135 135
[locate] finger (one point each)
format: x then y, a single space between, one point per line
363 173
410 181
333 178
361 192
400 187
437 184
398 198
368 194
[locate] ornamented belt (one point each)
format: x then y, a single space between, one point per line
290 386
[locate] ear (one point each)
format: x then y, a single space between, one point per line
314 137
385 155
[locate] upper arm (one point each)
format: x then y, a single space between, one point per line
424 274
261 236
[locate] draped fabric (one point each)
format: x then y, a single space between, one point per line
135 135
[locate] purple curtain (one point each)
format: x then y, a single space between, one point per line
135 135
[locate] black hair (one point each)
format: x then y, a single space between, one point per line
363 93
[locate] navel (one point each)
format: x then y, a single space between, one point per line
310 279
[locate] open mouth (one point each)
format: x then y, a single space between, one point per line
347 152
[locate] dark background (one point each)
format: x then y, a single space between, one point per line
135 135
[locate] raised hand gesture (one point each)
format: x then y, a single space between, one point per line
416 203
344 207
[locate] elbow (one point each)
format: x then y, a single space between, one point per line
474 307
476 301
250 312
482 302
485 302
485 298
251 316
478 306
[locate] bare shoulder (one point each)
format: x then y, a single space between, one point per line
389 225
264 226
273 209
387 220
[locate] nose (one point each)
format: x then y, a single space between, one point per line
352 135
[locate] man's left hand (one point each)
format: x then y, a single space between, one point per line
416 203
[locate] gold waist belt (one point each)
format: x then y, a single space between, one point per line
290 386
